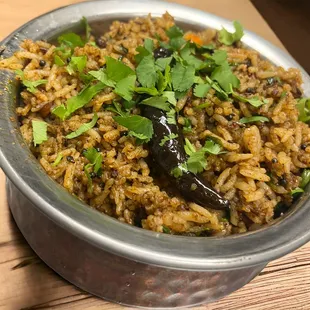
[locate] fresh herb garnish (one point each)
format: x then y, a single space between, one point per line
125 87
79 101
182 77
57 160
225 77
202 106
77 64
117 70
219 57
146 72
256 118
31 85
95 161
166 230
170 95
201 90
305 178
229 38
71 40
254 101
196 161
39 132
83 128
101 76
178 171
157 102
87 28
168 138
138 126
162 63
187 54
175 34
303 107
171 117
297 190
58 61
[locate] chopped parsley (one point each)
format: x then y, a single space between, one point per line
229 38
95 162
256 118
30 85
168 138
57 160
79 101
303 107
39 132
83 128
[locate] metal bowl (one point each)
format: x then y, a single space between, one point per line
115 261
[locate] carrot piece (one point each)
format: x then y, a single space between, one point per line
193 38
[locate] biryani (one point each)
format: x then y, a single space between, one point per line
186 133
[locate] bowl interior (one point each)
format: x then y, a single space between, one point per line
269 242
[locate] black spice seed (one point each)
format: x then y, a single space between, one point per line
101 43
98 149
42 63
274 160
124 133
68 59
162 52
92 174
114 173
248 63
303 146
70 159
230 117
250 90
283 182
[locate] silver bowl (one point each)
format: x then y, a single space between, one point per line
107 258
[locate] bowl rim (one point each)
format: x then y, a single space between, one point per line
187 253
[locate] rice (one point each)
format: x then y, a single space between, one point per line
128 189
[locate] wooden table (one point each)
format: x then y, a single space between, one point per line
27 283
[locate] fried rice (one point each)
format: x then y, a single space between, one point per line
262 163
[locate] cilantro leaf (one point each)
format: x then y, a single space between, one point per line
157 102
175 35
146 72
57 160
196 161
117 70
303 107
179 170
144 90
224 76
83 128
229 38
168 138
77 63
142 52
170 95
162 63
125 87
58 61
201 90
138 126
39 132
215 86
256 118
305 178
212 147
79 101
87 28
202 106
182 77
149 45
30 85
71 40
297 190
255 101
166 230
219 57
187 127
101 76
187 54
171 117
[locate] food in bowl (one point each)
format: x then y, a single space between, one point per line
186 133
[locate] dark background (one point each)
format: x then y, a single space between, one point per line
290 20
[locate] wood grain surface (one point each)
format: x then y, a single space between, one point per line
27 283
